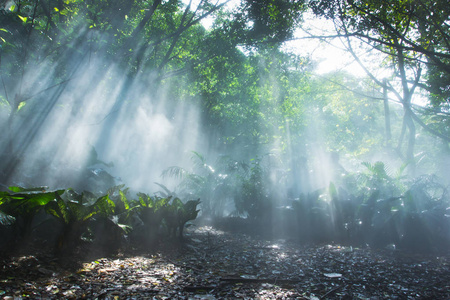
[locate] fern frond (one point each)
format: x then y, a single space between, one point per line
166 192
197 159
174 172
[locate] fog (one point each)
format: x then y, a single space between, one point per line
284 147
136 131
101 118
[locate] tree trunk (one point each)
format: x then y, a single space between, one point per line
387 118
411 141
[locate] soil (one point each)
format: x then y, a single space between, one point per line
212 264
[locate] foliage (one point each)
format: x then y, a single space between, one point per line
160 217
264 102
313 218
75 213
273 20
375 193
253 197
151 212
411 37
385 211
378 207
104 221
254 97
413 220
214 184
349 114
378 177
20 206
406 25
425 224
178 214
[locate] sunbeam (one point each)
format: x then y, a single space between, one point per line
224 149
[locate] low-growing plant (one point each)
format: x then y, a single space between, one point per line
21 205
150 211
422 218
75 212
178 214
253 197
314 220
103 221
389 209
108 231
163 216
214 184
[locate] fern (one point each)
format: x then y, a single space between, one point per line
166 192
198 160
174 172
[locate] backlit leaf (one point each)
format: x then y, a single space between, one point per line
24 19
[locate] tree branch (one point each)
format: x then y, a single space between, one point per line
413 46
428 128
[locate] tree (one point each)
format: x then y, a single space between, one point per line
154 42
83 37
272 21
413 36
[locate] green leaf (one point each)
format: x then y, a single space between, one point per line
16 189
21 104
124 199
161 202
25 204
104 205
145 200
24 19
42 199
177 203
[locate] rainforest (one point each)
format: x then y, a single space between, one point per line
224 149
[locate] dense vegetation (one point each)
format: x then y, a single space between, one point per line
277 149
63 220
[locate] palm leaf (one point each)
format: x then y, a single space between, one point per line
198 159
166 190
174 172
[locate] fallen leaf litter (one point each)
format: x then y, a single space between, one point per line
212 264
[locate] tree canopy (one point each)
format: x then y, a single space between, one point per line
412 36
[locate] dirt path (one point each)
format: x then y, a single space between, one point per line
216 265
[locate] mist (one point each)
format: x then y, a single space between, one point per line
224 149
150 101
134 128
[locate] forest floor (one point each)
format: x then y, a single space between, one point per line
212 264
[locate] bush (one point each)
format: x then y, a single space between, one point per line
101 221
